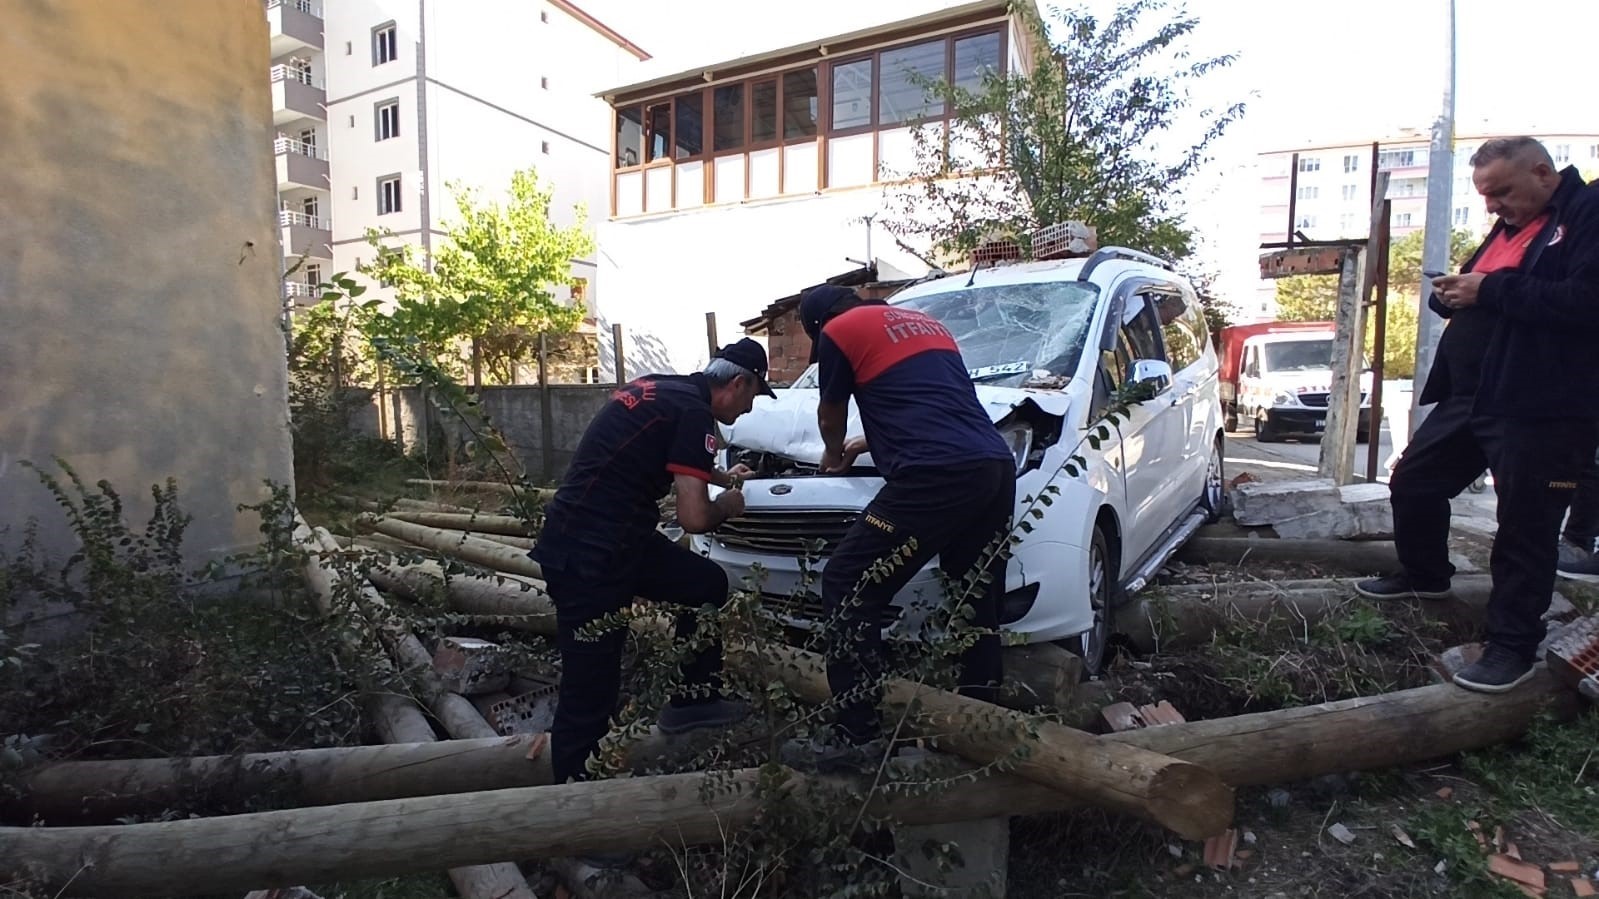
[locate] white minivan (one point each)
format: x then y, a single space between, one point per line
1048 346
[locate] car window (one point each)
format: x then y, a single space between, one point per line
1141 333
1176 325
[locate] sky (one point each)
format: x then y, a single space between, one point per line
1349 70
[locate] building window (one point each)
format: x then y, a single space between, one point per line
1310 163
976 57
689 125
629 136
852 95
1305 221
388 195
1402 219
801 105
580 290
313 274
544 147
385 44
728 112
387 119
907 74
1346 224
1593 151
544 83
1400 159
1351 162
1308 192
763 119
1351 191
1562 154
544 17
658 131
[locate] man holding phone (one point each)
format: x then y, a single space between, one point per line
1517 393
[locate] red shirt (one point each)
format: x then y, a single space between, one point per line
1508 248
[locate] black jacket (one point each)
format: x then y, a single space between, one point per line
1529 348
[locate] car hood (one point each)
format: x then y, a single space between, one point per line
787 425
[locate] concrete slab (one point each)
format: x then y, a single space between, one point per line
1269 502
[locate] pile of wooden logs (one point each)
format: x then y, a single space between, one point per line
478 799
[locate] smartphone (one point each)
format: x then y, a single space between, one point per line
1433 274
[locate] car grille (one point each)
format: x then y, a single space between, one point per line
786 533
1319 400
807 607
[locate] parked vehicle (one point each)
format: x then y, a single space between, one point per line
1049 344
1278 375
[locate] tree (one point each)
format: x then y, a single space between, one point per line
490 284
1314 298
1072 140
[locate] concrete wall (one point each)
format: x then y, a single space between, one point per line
518 412
141 260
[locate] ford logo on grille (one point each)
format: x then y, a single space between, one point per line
782 489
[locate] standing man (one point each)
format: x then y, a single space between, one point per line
950 485
1517 393
599 546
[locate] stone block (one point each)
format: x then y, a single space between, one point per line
1370 512
1268 502
468 666
1335 523
983 847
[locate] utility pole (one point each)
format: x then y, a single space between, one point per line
1435 246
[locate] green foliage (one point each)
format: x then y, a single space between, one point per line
491 282
1555 769
1072 140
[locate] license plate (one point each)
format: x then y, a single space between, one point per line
1321 423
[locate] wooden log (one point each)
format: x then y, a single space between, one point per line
522 604
427 505
397 719
1040 675
1188 615
542 494
1365 557
408 835
470 522
1184 798
476 550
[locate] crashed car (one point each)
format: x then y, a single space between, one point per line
1054 348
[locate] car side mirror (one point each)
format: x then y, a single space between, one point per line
1154 374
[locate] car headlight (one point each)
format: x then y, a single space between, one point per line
1284 398
1019 437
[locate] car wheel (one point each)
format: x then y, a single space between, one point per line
1091 645
1230 424
1264 433
1214 498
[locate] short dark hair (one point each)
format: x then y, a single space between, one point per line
1521 149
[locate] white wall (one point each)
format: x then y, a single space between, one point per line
659 275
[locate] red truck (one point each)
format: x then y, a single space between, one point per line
1278 375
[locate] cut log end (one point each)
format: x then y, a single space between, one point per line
1191 801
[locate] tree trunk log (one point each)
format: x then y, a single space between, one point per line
407 835
523 604
1185 798
539 493
476 550
1364 557
1041 675
397 719
424 505
1187 615
466 521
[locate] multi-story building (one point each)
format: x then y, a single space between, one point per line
381 105
742 180
1332 197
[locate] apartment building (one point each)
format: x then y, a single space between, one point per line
381 105
1332 197
741 180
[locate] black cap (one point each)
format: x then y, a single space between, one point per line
817 305
749 355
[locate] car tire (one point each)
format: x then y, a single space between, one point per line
1093 645
1213 495
1264 432
1230 423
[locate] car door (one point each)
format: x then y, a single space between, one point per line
1182 333
1151 431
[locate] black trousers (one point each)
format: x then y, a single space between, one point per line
955 513
1535 464
591 669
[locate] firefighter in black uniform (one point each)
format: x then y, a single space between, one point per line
599 546
1517 393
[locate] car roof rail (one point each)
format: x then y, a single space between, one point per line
1105 254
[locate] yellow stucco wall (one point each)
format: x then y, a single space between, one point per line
138 335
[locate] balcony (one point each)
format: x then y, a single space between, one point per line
305 235
295 25
300 164
296 95
299 293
